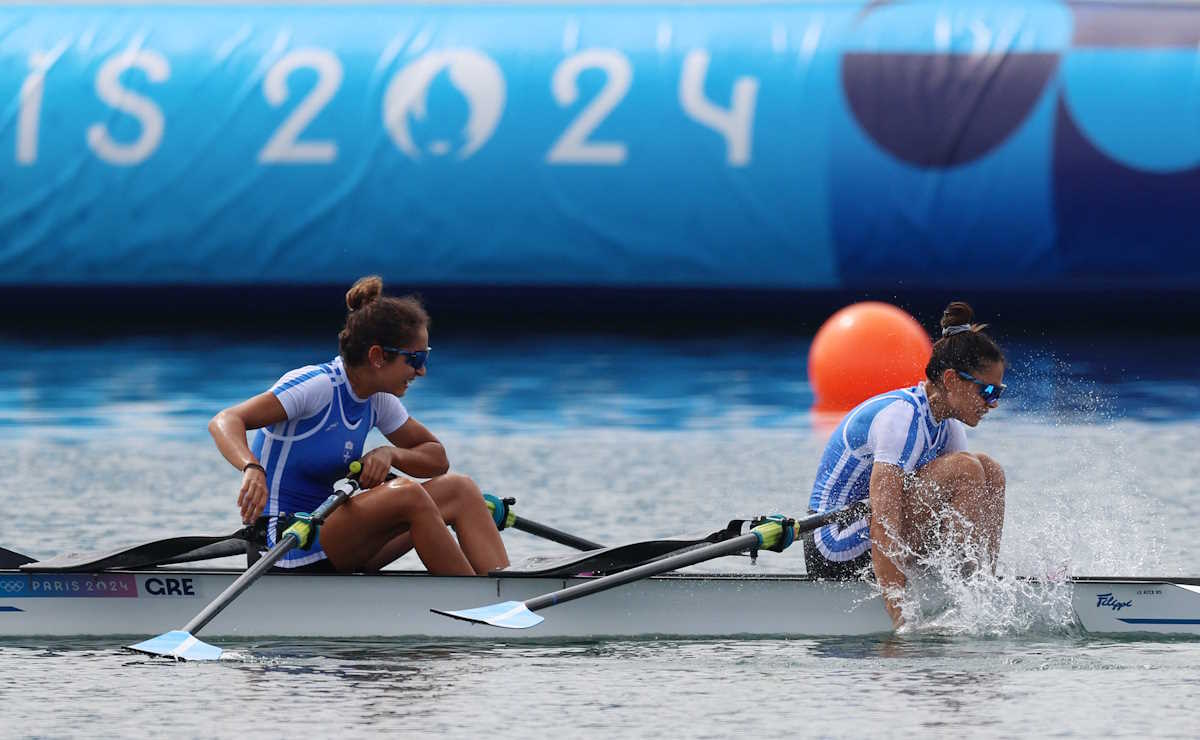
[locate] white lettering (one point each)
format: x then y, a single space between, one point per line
149 115
284 145
735 124
573 147
31 108
476 77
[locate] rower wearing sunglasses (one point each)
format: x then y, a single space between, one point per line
906 450
314 421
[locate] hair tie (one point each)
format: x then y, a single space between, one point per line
950 331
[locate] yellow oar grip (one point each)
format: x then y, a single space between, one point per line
769 534
302 530
510 516
776 532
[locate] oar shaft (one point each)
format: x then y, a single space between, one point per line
504 516
699 555
222 549
244 581
344 489
691 557
555 535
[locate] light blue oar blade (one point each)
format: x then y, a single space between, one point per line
511 614
179 645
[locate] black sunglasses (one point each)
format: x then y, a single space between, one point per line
416 360
991 392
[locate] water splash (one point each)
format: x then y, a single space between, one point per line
953 586
942 600
1076 505
1088 508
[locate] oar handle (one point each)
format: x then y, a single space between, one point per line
771 532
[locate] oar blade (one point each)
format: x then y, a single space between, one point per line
179 645
510 614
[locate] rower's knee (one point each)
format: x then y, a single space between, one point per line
455 494
409 500
461 487
963 470
993 474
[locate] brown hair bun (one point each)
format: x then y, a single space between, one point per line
364 290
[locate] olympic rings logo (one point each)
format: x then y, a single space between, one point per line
12 585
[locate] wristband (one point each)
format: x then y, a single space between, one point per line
255 465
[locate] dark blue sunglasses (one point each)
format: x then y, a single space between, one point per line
991 392
416 360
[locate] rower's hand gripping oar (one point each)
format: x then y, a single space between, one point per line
182 644
771 534
504 517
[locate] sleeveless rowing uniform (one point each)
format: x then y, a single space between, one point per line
326 428
896 427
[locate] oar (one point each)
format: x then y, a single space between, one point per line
766 536
11 559
182 644
505 517
148 554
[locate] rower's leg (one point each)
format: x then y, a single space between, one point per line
392 550
461 503
462 506
992 514
960 495
356 532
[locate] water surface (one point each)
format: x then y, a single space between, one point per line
103 442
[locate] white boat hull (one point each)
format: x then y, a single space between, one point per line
396 605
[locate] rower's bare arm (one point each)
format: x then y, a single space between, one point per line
887 523
228 429
416 451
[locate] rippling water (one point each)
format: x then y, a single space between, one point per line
103 442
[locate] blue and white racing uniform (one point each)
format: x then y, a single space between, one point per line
326 428
896 427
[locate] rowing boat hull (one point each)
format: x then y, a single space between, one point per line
396 604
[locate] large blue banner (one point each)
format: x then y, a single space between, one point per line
818 145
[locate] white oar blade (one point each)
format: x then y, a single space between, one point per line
179 645
511 614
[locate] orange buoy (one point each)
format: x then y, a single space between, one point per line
865 349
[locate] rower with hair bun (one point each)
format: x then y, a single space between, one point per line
906 450
314 421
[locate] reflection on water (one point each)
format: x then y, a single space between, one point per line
169 386
879 685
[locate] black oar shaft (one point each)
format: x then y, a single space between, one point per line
555 535
222 549
145 555
11 559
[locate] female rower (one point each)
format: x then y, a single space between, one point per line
907 451
314 421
